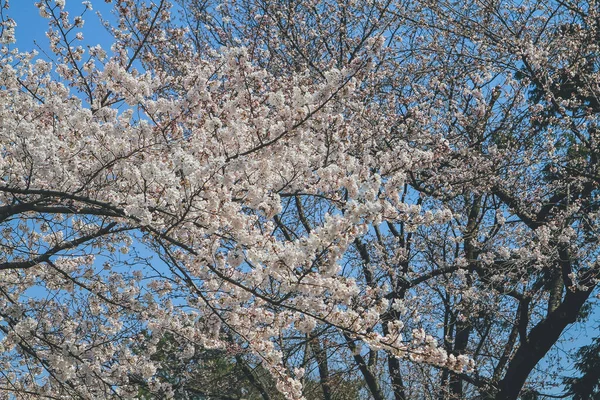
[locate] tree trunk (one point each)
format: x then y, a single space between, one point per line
321 357
542 337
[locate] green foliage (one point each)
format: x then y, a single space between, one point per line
587 385
218 374
208 374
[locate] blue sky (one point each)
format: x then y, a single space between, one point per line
31 27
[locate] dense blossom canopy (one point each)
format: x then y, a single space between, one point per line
400 196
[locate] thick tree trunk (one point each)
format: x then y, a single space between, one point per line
321 357
542 337
393 362
397 384
463 328
463 331
556 291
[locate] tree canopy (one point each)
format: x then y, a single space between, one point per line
320 199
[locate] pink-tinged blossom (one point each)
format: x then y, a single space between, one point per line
285 197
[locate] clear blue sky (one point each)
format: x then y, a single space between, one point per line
31 27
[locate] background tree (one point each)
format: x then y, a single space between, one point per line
586 386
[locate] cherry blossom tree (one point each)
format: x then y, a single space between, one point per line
400 196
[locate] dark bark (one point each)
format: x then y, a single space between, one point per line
254 381
366 372
463 328
541 338
461 340
321 357
396 377
393 362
